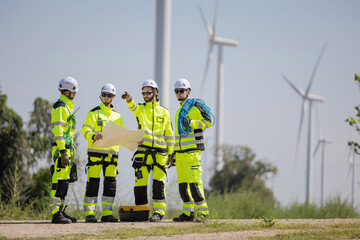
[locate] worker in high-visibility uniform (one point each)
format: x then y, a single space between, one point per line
188 156
153 152
105 159
63 120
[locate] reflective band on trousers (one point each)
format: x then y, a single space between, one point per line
54 204
90 200
89 208
106 207
199 203
188 209
159 209
202 209
107 199
55 201
159 201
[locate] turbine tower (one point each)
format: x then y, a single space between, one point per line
321 143
220 43
308 98
162 49
352 167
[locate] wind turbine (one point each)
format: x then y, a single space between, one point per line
321 143
308 98
214 40
352 167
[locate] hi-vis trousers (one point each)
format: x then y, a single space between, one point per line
60 182
191 189
95 165
142 172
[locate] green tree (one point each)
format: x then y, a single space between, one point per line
39 193
354 121
13 152
241 171
39 131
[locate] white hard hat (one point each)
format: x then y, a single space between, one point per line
110 88
68 83
149 83
182 83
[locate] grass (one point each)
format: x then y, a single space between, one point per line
249 205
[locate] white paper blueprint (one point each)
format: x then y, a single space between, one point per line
116 135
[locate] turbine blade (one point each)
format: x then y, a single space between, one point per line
209 55
298 90
300 128
207 25
317 147
315 68
215 20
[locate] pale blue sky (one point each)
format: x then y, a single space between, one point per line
113 41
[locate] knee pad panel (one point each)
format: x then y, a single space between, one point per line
140 195
158 190
184 192
62 188
92 187
195 192
109 186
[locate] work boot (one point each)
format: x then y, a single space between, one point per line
202 218
73 220
91 219
156 217
109 218
185 218
60 218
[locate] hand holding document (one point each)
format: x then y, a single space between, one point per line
116 135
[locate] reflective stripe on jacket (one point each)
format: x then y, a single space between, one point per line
60 118
199 121
155 120
95 122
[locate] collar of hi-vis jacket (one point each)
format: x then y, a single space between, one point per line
106 110
68 102
151 104
182 103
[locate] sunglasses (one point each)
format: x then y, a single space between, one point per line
179 91
109 95
147 93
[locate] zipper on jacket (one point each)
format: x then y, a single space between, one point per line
153 123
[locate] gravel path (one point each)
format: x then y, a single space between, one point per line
36 229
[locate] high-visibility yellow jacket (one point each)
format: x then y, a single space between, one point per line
62 121
95 122
155 120
199 121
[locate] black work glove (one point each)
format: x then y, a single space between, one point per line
127 97
64 159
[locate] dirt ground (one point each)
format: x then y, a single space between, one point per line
36 229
